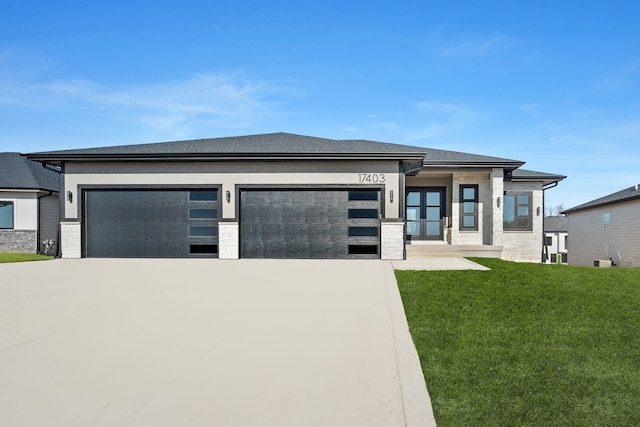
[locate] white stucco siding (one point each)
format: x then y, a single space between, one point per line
232 174
590 239
525 245
25 209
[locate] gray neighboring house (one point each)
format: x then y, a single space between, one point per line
556 239
29 205
282 195
607 228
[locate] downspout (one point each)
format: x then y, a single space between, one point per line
545 251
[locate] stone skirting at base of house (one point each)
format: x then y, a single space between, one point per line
21 241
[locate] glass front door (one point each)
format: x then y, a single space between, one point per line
424 213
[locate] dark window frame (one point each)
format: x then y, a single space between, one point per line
516 205
473 200
4 204
548 240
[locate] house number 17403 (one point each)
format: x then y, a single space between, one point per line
371 178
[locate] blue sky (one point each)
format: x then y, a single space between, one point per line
555 84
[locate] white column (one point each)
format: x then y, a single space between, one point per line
392 240
497 186
71 239
228 239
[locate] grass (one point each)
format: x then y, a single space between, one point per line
528 344
11 257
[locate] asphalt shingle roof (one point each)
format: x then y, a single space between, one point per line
18 173
556 223
273 144
251 144
631 193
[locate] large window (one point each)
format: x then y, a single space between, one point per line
468 207
6 214
517 212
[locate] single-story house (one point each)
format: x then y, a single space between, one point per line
29 206
556 239
282 195
606 231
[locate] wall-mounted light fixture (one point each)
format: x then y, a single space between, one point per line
228 195
538 211
391 196
69 197
498 201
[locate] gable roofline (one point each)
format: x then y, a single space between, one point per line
20 174
626 195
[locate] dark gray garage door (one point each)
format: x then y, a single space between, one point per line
310 223
151 223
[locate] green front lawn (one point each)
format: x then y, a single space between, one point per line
22 257
528 344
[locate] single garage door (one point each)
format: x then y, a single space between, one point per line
151 223
277 223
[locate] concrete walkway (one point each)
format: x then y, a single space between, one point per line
101 342
438 263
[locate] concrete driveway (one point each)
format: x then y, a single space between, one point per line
103 342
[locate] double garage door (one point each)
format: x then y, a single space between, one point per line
274 223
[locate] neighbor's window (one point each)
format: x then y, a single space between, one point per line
566 242
6 214
517 212
548 240
606 218
468 207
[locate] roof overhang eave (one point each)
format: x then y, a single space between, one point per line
507 166
58 159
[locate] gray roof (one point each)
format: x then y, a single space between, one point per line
434 157
18 173
272 146
631 193
265 144
556 223
529 175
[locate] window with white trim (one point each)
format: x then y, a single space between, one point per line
6 215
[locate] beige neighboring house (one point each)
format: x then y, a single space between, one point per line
282 195
556 239
606 230
29 206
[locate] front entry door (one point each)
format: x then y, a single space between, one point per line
425 212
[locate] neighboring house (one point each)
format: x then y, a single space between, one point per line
291 196
556 239
29 206
607 228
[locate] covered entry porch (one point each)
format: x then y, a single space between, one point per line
453 213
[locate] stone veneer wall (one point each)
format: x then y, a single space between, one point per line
525 245
23 241
392 239
71 239
228 239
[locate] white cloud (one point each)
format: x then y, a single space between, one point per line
531 109
472 47
177 107
440 118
